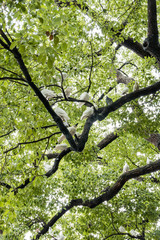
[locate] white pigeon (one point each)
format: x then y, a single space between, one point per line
87 113
84 96
122 229
134 233
48 94
47 167
65 75
72 131
68 91
148 161
125 90
66 124
62 114
61 147
49 151
136 86
125 168
61 237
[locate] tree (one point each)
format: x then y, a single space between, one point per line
103 49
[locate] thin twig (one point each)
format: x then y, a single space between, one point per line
62 83
6 134
11 72
91 68
35 141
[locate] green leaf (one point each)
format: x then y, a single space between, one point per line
56 40
13 45
50 61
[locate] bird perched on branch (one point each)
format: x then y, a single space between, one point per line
48 94
72 131
108 101
61 147
84 96
148 161
61 237
125 90
87 113
136 86
134 233
122 229
125 168
62 114
68 91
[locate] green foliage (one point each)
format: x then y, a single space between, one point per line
81 44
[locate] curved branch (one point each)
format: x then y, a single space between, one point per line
10 72
47 174
135 47
55 117
6 134
56 162
35 141
14 80
108 195
127 98
103 112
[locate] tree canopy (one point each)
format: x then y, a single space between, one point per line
91 172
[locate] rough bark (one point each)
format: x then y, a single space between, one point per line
151 43
154 139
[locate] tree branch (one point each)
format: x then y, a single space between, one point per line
5 185
56 162
135 47
152 19
90 69
6 134
47 174
14 80
55 117
103 112
11 72
108 195
34 141
151 43
107 140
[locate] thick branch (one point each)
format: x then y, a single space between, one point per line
152 19
151 43
108 195
56 118
107 140
127 98
47 174
129 42
135 47
5 185
154 139
103 112
57 161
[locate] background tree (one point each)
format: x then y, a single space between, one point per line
51 54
